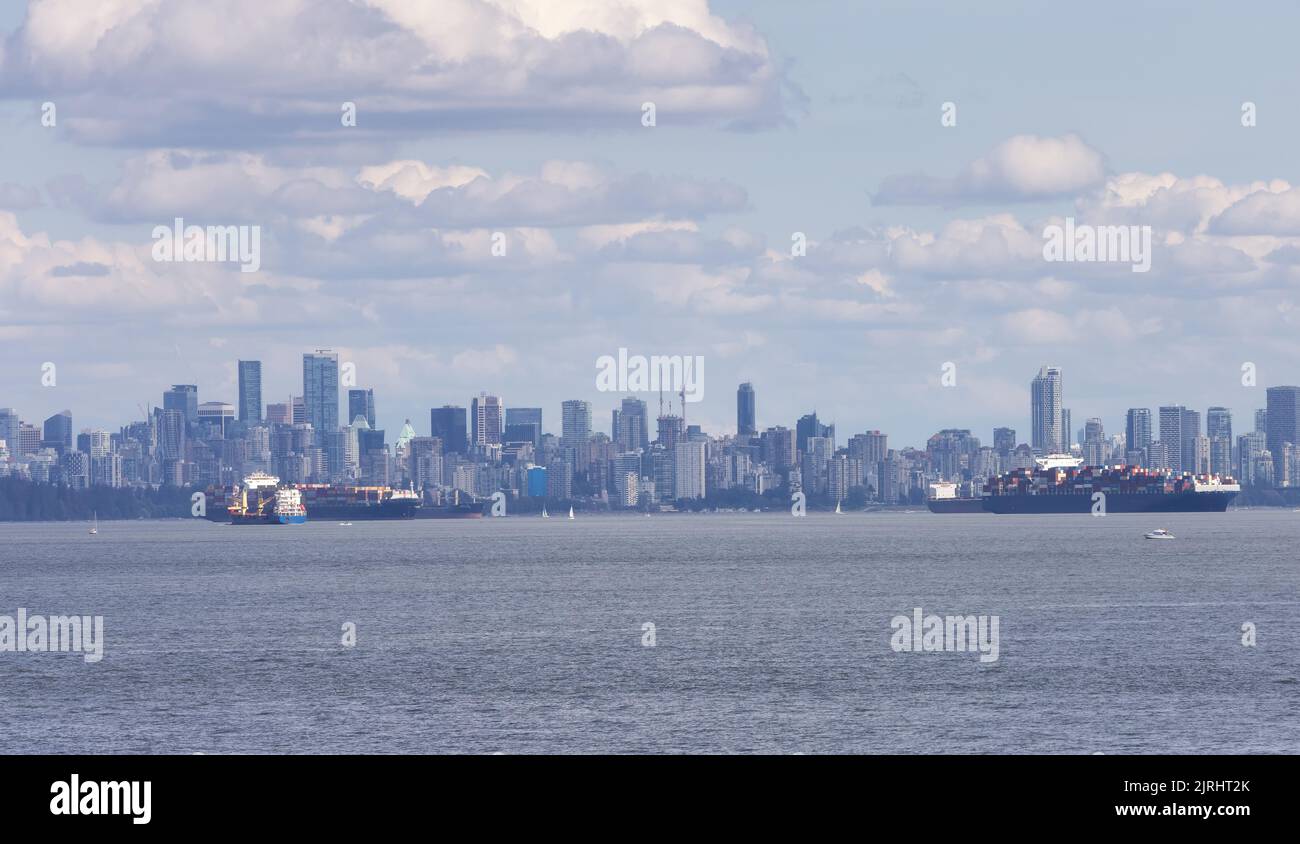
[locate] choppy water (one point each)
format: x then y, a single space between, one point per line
772 635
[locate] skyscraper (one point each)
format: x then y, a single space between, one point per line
1046 420
1004 440
250 391
185 398
361 403
524 420
1172 419
1191 438
1137 430
1283 424
1218 429
320 390
745 411
575 423
633 429
57 433
486 419
9 422
447 423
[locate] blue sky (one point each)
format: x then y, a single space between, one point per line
772 118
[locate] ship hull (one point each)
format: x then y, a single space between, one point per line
456 511
273 519
1116 502
955 505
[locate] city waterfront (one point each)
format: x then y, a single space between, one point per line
770 634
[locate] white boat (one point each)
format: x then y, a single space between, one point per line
545 515
570 514
1159 533
838 511
94 525
345 524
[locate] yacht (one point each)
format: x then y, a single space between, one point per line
1159 533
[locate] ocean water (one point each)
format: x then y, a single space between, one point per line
771 634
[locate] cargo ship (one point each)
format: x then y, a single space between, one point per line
943 498
454 509
352 503
261 501
1059 484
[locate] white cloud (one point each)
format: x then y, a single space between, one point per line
1021 168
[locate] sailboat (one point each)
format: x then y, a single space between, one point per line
545 515
94 525
570 514
838 511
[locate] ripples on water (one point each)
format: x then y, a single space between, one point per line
524 635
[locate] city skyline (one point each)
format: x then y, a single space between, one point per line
578 419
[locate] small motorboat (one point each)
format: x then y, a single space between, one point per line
345 524
1159 533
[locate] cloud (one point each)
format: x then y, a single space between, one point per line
162 184
19 197
190 73
1023 168
1263 212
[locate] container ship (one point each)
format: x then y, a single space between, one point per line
1059 484
352 503
454 509
943 498
261 501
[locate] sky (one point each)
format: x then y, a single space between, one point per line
826 121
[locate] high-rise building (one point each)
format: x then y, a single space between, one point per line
632 433
57 432
745 411
1250 447
1282 424
320 390
214 419
1191 439
486 419
688 470
279 413
1004 441
447 423
809 426
9 422
361 402
1172 419
250 391
575 423
1046 422
1137 429
1261 420
185 398
1218 428
1218 423
521 421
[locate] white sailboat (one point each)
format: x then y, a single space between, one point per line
570 514
94 525
838 511
545 515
